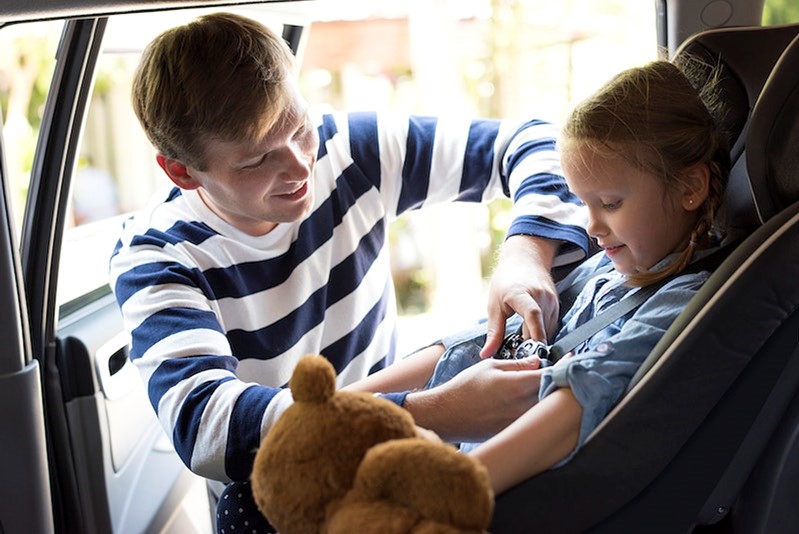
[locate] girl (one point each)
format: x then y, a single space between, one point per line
650 163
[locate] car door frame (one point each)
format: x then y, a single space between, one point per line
81 348
42 231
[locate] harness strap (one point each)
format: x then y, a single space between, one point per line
602 320
621 308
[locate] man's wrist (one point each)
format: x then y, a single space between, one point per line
429 409
397 398
539 250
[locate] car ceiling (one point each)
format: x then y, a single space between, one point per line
677 19
27 10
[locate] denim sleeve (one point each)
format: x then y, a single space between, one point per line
599 375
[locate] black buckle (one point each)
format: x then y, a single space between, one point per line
516 347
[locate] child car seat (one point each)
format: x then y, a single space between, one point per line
685 445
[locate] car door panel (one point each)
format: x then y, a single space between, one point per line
120 450
112 467
24 457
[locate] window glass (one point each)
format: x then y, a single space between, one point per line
529 58
780 12
27 60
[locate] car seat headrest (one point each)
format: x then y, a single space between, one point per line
772 141
744 71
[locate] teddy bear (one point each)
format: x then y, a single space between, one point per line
343 462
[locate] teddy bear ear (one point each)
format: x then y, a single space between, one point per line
314 380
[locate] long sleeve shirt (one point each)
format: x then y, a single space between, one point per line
603 365
218 318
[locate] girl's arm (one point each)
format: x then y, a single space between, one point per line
534 442
408 374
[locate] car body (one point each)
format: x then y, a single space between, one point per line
81 450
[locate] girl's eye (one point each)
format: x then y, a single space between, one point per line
610 206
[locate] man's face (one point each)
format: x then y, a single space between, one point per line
256 185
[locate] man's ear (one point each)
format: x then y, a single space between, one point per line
178 172
696 186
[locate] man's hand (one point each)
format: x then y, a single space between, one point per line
479 401
522 283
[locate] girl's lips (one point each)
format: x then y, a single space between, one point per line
296 195
611 251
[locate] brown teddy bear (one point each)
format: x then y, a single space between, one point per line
343 462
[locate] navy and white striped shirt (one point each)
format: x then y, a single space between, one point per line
218 318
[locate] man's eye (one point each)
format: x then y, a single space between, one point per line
302 131
257 163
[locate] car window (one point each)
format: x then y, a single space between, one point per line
780 12
490 59
27 60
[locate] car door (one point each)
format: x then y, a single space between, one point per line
111 467
22 439
82 450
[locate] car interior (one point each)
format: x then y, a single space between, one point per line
705 440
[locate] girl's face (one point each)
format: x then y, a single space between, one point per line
632 215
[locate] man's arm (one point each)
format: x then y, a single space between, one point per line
213 418
479 401
548 228
522 284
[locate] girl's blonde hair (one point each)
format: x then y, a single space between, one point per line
658 121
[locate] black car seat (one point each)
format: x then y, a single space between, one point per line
686 444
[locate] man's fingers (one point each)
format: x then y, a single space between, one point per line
530 363
534 328
495 334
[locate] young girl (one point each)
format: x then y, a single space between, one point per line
647 158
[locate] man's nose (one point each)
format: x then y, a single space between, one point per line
298 162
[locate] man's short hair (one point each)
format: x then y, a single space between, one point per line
220 76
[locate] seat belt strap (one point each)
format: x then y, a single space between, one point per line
600 321
567 343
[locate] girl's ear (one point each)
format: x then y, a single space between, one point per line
695 186
178 172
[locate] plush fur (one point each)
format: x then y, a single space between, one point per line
343 462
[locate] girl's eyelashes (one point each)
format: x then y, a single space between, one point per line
610 206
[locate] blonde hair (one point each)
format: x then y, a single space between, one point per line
654 118
220 76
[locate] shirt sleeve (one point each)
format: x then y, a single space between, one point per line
599 376
418 161
543 205
214 419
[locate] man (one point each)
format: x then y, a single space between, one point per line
273 244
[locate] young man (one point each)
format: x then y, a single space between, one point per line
273 245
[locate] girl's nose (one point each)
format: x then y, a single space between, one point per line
596 227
